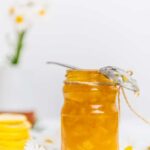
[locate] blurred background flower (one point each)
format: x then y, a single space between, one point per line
23 16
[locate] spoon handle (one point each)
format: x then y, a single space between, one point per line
63 65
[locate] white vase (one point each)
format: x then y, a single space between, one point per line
16 89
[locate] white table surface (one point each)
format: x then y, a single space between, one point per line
131 133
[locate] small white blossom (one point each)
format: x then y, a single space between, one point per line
25 13
34 145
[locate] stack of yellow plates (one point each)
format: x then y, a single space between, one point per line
14 132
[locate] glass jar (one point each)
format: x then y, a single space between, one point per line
90 114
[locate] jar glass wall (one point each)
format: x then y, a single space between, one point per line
90 114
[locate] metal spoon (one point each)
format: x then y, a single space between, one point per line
63 65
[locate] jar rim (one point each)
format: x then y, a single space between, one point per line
90 77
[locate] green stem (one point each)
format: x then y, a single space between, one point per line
16 58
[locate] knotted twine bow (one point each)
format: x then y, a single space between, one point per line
124 80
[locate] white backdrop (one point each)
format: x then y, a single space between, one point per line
89 34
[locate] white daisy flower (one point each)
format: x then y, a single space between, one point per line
25 13
34 145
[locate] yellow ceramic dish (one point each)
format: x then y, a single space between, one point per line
14 131
12 119
14 136
15 127
13 144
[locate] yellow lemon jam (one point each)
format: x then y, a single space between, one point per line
90 113
14 131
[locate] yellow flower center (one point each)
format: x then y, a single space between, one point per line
129 148
19 19
12 10
42 12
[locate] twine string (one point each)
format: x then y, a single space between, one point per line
131 107
119 103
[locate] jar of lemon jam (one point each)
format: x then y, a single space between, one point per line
90 114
